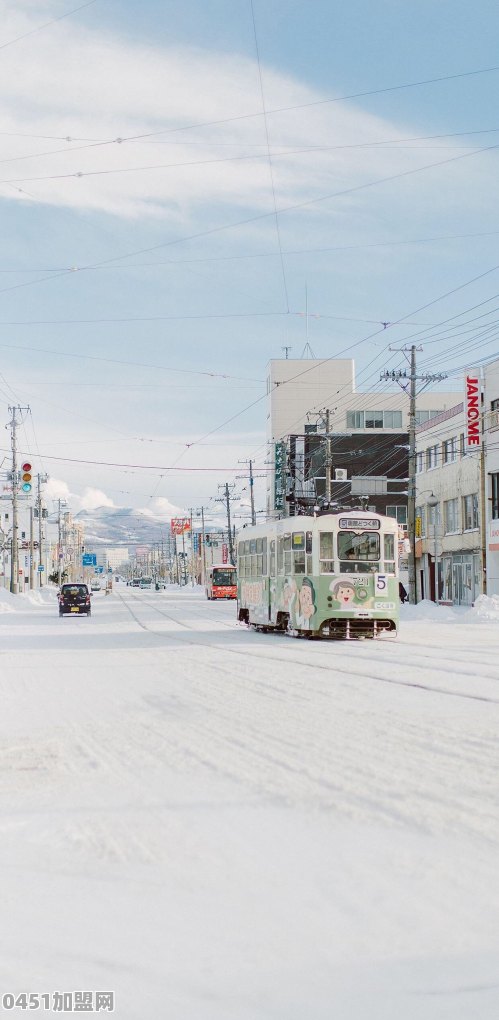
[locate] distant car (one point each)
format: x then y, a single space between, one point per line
136 582
74 599
94 585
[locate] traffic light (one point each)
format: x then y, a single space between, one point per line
26 477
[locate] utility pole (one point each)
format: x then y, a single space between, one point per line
192 552
324 418
251 485
31 551
60 555
14 557
39 479
226 498
409 385
328 459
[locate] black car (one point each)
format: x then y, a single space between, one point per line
73 599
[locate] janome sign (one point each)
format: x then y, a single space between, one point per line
472 408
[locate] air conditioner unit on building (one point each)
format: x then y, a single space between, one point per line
340 474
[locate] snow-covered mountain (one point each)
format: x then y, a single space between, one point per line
122 526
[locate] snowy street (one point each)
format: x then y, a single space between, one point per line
224 825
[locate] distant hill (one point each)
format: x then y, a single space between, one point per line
122 526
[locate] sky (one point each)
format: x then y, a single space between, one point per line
224 825
180 181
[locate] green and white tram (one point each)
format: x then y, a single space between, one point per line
330 575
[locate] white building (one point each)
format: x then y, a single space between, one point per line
491 481
112 557
449 536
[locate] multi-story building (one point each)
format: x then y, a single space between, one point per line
368 450
450 556
491 479
457 495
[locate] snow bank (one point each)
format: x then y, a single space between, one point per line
6 601
486 608
27 600
426 610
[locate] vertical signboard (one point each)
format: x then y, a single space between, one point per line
279 478
472 409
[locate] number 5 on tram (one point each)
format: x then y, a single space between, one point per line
331 575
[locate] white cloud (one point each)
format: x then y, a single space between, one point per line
161 507
90 85
92 499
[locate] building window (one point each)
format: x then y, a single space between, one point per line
420 461
450 515
399 512
355 419
495 496
449 450
374 419
392 419
422 416
432 457
470 512
494 405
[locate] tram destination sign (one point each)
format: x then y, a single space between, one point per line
358 524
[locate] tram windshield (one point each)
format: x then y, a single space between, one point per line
223 575
358 552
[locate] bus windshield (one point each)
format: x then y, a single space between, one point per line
224 575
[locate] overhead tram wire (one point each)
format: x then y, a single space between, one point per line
247 220
269 157
80 174
46 24
120 140
317 102
272 254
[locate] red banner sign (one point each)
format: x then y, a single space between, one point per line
178 525
472 408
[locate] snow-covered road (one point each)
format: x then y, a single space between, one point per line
217 824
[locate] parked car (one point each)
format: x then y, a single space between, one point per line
74 599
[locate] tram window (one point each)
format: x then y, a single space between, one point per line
264 556
259 564
288 561
298 540
308 542
252 545
299 562
254 564
272 557
240 549
389 553
259 545
280 556
326 552
364 547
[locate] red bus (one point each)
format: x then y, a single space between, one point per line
221 581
